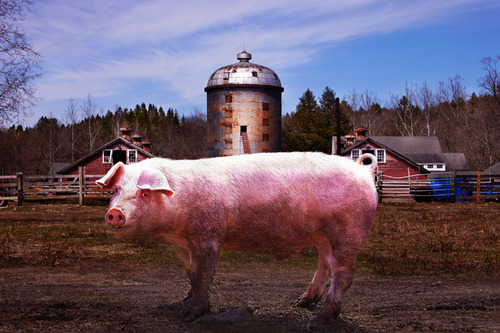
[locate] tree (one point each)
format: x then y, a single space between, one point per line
491 81
71 118
19 65
327 105
93 127
306 128
407 114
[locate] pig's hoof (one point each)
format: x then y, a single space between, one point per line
194 313
327 313
306 302
188 296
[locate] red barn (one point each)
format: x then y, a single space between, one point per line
101 160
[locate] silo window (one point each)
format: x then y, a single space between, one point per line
226 75
265 121
243 129
265 106
229 98
265 137
254 74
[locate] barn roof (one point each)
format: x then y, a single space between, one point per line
420 149
108 145
493 170
456 161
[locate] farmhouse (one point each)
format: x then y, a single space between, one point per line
120 149
406 156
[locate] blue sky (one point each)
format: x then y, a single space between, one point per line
126 52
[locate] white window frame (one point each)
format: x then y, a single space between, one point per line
130 158
380 155
434 167
355 154
107 158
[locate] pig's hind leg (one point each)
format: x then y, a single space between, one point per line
321 276
344 249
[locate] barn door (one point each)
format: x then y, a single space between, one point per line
119 156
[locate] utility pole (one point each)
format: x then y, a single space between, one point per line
337 114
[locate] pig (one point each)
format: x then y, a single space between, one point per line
277 203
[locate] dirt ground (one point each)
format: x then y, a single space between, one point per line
74 287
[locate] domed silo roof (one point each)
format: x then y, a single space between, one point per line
244 73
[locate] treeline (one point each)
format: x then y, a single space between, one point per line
468 124
463 123
35 150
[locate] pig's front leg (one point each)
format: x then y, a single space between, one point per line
204 259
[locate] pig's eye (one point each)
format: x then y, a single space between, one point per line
145 194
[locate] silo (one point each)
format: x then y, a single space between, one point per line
243 109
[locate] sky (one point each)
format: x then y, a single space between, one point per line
126 52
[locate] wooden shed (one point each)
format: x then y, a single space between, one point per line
101 160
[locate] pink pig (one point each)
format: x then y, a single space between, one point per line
278 203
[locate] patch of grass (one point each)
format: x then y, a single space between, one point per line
434 238
419 238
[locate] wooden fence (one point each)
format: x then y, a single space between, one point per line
23 188
441 186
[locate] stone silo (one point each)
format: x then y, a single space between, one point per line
243 109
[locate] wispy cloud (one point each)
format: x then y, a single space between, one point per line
104 47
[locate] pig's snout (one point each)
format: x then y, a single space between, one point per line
115 217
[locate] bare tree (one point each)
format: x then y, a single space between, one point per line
19 65
428 104
93 127
71 118
491 81
407 114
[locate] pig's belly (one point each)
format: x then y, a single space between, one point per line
282 246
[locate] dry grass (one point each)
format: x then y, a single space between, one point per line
409 238
433 238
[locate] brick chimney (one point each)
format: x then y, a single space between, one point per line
137 139
125 132
146 145
360 133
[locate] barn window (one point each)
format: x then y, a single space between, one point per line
107 156
380 155
355 153
132 156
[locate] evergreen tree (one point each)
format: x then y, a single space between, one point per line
311 126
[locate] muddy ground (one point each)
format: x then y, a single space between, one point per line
61 270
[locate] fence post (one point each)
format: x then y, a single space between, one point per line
379 186
454 187
478 190
81 185
19 176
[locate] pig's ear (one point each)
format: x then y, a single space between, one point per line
155 181
112 177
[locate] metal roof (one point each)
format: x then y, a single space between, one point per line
420 149
244 73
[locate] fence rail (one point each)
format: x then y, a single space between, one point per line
22 188
441 186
